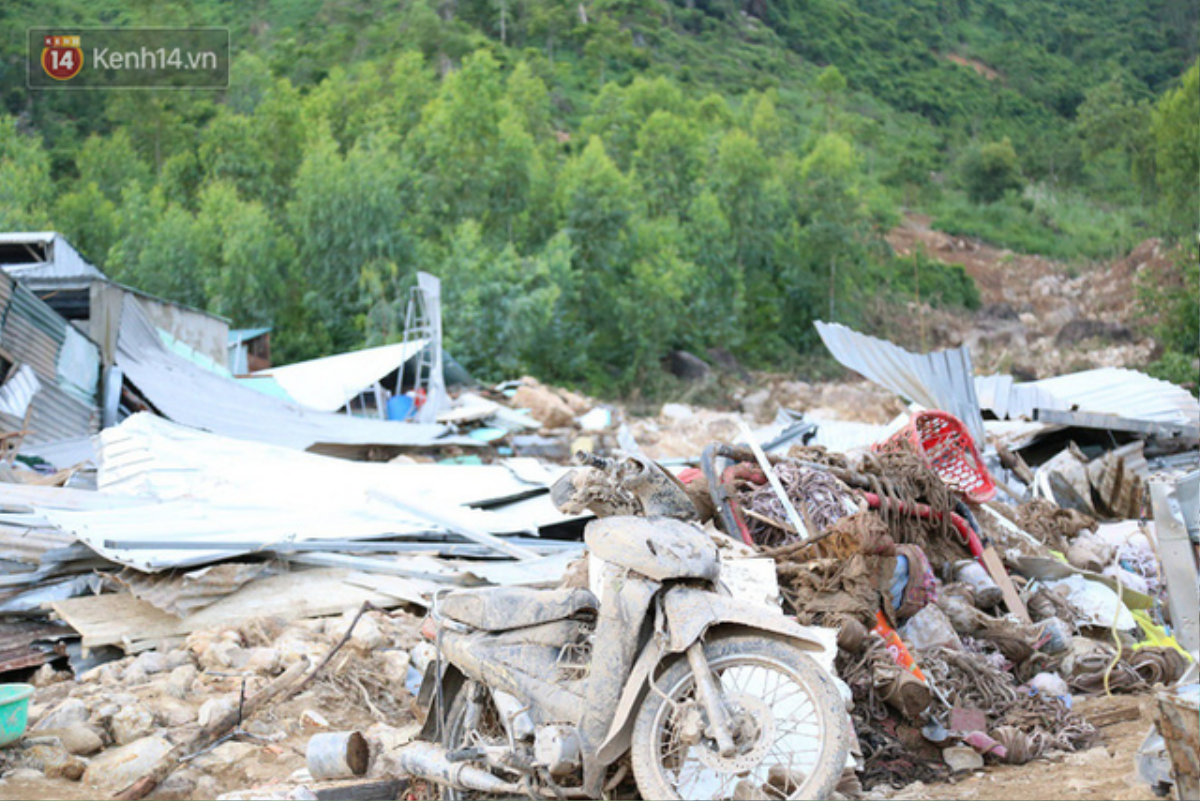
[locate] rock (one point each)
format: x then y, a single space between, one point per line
178 658
25 775
134 676
367 634
757 405
117 768
152 662
131 723
397 662
172 713
179 682
54 761
960 758
179 786
264 660
230 753
1079 329
78 739
108 673
71 712
312 719
727 362
422 654
686 366
223 655
577 403
677 411
546 407
47 675
213 709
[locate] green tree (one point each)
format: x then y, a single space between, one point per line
991 170
1177 150
25 187
668 160
89 219
245 256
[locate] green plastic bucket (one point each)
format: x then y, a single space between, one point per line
14 711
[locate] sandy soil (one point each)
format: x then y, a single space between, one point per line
1107 771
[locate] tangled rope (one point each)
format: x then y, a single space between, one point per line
820 498
1130 673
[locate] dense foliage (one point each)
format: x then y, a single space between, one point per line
600 182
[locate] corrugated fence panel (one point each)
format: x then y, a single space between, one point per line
33 334
56 415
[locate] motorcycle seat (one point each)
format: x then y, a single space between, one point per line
505 608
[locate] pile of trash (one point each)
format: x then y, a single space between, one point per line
198 610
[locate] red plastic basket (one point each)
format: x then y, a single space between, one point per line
950 451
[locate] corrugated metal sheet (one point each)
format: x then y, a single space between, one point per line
35 542
180 594
79 366
32 334
63 267
17 643
1108 390
17 393
940 380
188 394
211 489
330 383
57 416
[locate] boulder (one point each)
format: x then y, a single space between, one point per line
117 768
54 761
213 709
152 662
546 407
686 366
131 723
78 739
71 712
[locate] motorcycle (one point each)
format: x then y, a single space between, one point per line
561 694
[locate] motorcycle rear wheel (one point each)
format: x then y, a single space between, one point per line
794 734
490 730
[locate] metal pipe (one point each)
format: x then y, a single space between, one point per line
428 761
711 696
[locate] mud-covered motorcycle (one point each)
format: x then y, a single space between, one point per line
559 694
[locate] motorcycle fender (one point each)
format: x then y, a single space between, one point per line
620 733
690 612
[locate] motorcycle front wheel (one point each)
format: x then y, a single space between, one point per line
791 731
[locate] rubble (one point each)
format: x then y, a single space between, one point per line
255 604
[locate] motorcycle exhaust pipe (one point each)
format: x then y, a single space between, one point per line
428 761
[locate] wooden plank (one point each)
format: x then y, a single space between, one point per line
995 568
121 619
1113 716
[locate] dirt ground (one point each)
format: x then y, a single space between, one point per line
1106 771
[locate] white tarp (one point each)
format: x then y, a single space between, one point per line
328 384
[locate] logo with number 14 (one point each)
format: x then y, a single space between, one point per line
62 57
